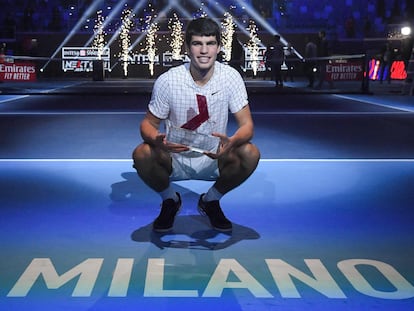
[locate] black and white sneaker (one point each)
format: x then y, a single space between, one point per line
165 220
217 218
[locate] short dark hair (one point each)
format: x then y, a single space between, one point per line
202 26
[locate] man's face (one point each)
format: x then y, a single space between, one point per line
203 52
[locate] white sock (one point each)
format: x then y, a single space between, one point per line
212 195
169 193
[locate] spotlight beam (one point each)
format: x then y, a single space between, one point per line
221 11
111 16
182 11
257 17
74 30
157 18
137 7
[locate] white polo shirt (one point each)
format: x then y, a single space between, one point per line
175 93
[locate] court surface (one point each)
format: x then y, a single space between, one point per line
325 222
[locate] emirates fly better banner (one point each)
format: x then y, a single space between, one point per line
345 70
24 71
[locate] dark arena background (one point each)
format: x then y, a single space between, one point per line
324 223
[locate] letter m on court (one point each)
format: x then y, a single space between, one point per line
87 271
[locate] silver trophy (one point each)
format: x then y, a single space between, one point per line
197 142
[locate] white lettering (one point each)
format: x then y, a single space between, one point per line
404 289
143 59
85 53
218 280
78 65
343 68
229 274
17 68
154 282
69 53
321 281
87 271
21 76
348 76
334 76
121 277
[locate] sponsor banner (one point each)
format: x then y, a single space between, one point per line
168 61
80 59
397 70
81 65
18 72
165 59
251 60
143 59
85 53
345 70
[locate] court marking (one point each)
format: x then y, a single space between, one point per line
261 160
46 91
327 113
376 103
259 113
11 98
74 113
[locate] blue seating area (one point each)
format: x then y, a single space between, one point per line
41 15
344 18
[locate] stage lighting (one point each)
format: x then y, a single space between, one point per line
406 31
74 30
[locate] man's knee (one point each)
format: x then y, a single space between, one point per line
149 159
249 154
245 156
141 152
140 156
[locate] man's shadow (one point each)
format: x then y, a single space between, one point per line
131 196
190 231
194 232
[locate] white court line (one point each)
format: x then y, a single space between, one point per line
338 160
261 160
328 112
74 113
13 97
374 103
46 91
65 160
28 113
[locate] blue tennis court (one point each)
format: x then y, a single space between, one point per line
325 222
